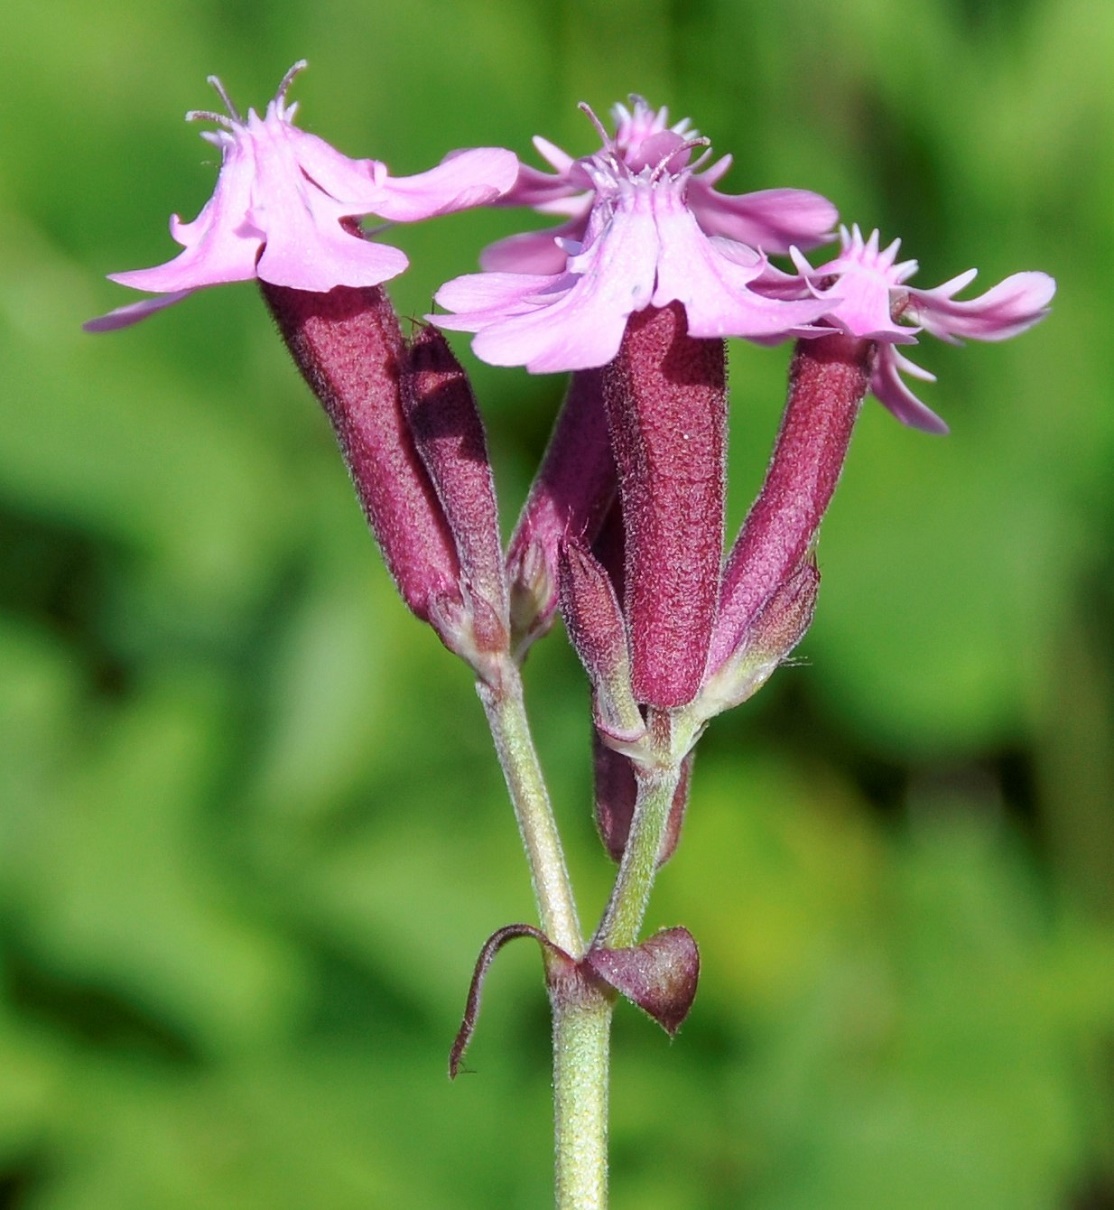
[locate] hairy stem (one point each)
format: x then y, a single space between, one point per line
506 715
657 783
581 1006
581 1040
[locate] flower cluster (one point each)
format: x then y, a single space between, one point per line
649 269
623 532
645 227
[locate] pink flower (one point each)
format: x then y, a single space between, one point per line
870 297
285 210
646 228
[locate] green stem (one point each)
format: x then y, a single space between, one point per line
506 715
581 1041
581 1009
657 784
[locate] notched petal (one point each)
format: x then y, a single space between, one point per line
1005 310
463 179
891 392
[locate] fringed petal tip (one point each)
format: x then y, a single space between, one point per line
889 389
133 313
1005 310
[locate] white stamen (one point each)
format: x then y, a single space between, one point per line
288 79
221 92
584 107
220 119
660 168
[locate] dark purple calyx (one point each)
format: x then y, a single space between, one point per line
828 380
667 415
349 349
594 622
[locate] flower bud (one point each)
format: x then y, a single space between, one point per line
448 433
595 627
569 497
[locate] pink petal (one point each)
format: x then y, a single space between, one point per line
887 387
534 251
124 317
221 245
864 308
552 154
306 248
303 256
542 189
771 219
773 282
911 368
1008 308
481 298
715 173
583 328
463 179
358 184
714 289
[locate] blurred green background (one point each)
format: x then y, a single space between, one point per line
251 832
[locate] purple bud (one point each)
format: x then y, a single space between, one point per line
573 489
595 626
660 975
616 792
780 625
667 414
349 349
828 379
449 435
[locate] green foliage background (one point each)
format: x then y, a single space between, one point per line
251 833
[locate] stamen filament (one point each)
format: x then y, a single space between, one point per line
222 92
